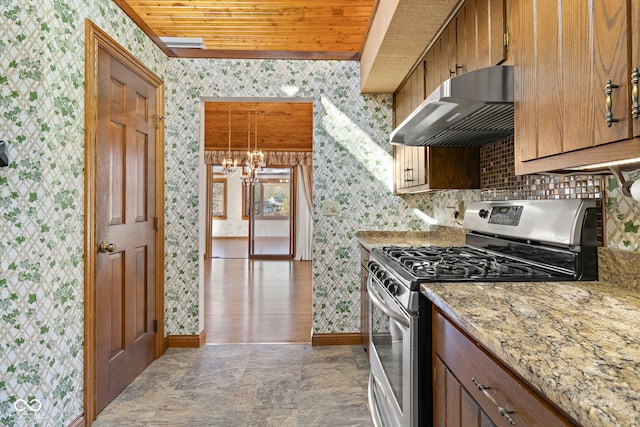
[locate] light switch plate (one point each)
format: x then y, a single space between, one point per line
330 208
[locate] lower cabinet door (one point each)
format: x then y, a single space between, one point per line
454 407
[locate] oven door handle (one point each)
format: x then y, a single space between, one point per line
373 407
377 300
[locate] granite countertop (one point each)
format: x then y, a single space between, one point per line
437 236
578 343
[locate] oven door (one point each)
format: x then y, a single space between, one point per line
392 384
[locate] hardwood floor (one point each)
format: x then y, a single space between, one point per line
257 301
229 247
238 247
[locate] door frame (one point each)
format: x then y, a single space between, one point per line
96 39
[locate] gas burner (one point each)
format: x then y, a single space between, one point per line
463 263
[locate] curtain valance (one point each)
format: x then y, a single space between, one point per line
272 158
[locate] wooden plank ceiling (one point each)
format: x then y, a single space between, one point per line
284 29
281 126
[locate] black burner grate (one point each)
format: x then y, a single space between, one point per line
450 263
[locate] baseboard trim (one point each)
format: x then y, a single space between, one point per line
185 341
336 339
78 422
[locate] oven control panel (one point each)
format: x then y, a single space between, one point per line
504 215
385 278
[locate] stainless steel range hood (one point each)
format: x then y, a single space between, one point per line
471 109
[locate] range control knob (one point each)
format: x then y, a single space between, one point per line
483 213
392 286
394 289
373 266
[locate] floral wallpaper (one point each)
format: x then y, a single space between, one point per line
42 201
42 195
622 215
351 165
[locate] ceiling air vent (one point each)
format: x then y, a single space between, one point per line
183 42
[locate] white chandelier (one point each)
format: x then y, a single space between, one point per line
255 157
230 165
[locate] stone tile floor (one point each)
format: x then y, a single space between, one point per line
247 385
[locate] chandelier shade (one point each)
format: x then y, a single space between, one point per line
229 164
255 157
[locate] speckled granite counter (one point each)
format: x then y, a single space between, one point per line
438 235
578 343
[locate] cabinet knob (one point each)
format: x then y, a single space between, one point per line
635 107
608 90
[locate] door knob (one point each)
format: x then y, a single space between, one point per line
106 247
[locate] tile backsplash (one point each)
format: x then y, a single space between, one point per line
619 219
499 181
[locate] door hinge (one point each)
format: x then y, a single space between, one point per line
506 39
155 325
155 223
157 120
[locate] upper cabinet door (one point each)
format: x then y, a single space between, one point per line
612 83
480 31
572 82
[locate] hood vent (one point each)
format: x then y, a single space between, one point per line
471 109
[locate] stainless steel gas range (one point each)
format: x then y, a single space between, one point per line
534 240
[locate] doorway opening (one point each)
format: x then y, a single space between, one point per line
254 290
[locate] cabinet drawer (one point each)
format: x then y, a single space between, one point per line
472 366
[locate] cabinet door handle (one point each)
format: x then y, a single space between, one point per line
609 103
635 107
504 412
408 175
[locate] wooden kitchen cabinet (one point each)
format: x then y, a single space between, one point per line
408 162
565 55
474 38
364 298
462 368
457 407
417 169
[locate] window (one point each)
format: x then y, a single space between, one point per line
272 199
218 197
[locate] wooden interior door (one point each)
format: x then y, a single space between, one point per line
125 231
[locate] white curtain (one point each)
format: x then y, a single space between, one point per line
304 214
